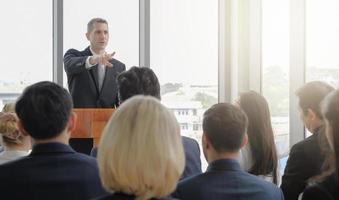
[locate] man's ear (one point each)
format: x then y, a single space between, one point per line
244 141
311 114
21 128
87 36
72 122
205 141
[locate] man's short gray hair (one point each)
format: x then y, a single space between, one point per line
91 23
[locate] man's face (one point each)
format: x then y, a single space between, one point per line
305 119
98 36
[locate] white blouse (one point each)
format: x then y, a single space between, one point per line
6 156
246 162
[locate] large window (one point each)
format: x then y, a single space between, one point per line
184 55
322 41
26 46
123 23
275 67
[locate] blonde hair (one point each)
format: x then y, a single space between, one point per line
140 151
8 129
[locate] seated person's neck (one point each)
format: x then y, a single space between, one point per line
61 138
316 125
225 155
17 147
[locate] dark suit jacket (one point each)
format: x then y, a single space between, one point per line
122 196
83 83
305 161
192 155
327 190
51 171
225 180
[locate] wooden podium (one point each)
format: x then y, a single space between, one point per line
91 122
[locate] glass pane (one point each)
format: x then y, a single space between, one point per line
322 41
26 46
275 67
123 22
184 55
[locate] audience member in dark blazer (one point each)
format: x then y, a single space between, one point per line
307 157
141 154
92 73
327 187
224 133
52 170
143 81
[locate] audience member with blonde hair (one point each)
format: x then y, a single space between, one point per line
16 144
143 81
141 154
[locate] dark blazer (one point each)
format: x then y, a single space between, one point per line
305 161
83 83
225 180
122 196
327 190
192 155
51 171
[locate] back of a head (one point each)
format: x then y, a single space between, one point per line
44 109
138 81
330 110
260 133
141 150
225 126
311 94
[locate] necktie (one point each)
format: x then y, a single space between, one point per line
101 75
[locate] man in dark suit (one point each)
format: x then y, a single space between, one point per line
53 170
143 81
307 157
92 73
224 127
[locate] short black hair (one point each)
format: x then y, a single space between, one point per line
225 126
311 94
44 109
138 81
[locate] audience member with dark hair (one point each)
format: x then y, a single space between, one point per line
16 144
138 80
224 133
143 81
328 187
259 157
53 170
141 155
307 157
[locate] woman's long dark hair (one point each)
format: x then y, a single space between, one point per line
330 111
260 134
